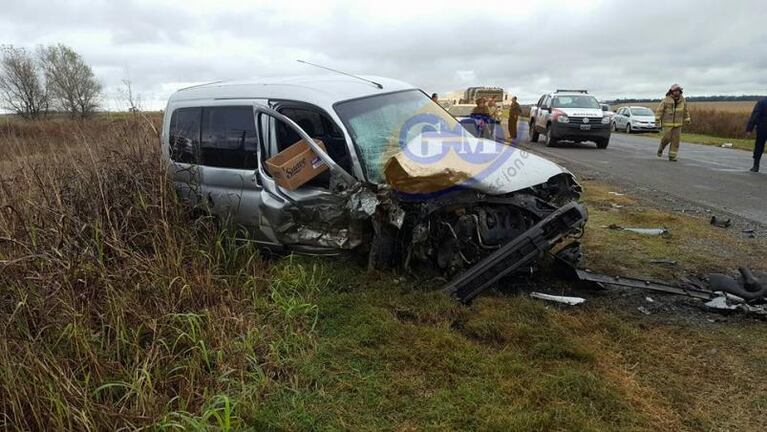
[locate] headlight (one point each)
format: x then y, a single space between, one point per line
563 119
605 120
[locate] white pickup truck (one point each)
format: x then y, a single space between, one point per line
569 115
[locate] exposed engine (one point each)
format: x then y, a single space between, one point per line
452 234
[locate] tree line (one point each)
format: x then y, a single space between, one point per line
718 98
54 78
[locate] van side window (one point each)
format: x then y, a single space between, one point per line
229 137
184 134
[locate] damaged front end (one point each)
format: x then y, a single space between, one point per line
473 239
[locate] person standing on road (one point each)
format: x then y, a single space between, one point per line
672 114
482 118
515 110
758 121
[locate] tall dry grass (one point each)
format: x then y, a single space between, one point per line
118 310
718 123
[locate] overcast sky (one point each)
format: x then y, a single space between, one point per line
613 48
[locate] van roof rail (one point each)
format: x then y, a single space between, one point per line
571 91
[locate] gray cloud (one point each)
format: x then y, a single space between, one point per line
615 49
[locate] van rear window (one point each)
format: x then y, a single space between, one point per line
184 134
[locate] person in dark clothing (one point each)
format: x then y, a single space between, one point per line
758 121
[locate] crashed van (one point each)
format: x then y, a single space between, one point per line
405 186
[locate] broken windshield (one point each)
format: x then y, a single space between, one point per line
381 125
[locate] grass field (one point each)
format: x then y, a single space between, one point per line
118 310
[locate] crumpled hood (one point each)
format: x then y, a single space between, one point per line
485 166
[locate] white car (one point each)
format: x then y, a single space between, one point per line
635 119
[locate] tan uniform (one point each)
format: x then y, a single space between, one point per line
515 110
671 114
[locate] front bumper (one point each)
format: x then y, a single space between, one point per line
579 131
645 127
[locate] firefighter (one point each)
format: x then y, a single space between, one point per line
758 121
672 114
515 110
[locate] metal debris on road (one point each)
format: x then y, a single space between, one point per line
643 231
664 261
572 301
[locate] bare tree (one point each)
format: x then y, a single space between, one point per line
134 101
71 83
21 85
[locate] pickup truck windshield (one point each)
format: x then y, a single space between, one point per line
575 102
380 126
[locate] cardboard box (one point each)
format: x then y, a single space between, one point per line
296 165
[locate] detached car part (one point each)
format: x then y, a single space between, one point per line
520 251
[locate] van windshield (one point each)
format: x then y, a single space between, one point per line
382 125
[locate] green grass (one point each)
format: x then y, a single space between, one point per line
120 311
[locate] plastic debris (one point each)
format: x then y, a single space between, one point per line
616 193
644 310
726 145
721 223
720 303
664 262
572 301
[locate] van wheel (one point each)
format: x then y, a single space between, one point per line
628 128
602 143
550 141
533 133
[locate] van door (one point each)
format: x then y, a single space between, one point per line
228 159
315 218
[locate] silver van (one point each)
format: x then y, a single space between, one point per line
406 184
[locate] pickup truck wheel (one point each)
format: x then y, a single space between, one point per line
602 143
533 133
550 141
628 128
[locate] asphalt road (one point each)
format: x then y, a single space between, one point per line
710 176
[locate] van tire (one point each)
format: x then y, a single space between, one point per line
602 143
